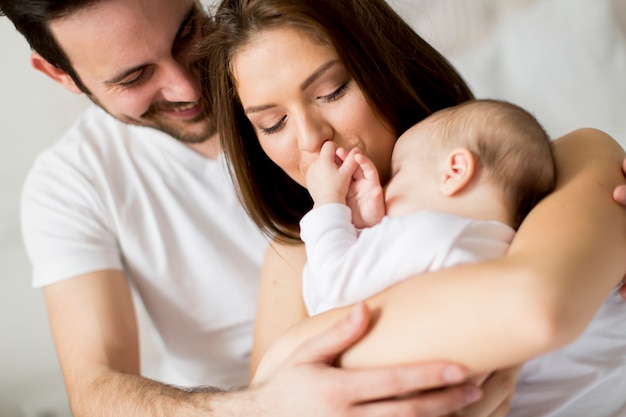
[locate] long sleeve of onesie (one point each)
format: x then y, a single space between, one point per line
345 266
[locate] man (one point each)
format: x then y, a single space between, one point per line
116 208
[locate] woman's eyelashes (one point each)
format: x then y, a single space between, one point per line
275 128
329 98
337 94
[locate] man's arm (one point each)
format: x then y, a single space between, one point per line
95 332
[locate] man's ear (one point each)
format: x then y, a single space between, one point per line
58 75
459 170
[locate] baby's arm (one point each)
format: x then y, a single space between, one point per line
333 249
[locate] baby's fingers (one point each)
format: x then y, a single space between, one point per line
328 151
349 164
370 173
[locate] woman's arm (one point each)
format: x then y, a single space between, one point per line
322 389
564 261
280 303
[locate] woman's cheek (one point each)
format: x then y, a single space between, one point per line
286 160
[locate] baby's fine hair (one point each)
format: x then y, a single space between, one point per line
510 146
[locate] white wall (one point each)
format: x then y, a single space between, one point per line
563 59
33 113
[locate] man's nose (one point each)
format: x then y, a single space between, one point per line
179 83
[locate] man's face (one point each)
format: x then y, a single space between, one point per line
134 57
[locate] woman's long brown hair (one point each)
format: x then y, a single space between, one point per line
401 75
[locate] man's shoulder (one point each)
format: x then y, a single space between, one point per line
99 136
96 125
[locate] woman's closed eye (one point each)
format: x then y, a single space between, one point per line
275 128
329 98
337 94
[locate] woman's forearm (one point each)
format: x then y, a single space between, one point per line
564 261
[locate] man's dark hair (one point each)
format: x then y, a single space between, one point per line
32 18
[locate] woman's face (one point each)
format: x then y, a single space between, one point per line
298 95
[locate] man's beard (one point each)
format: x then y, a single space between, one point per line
151 119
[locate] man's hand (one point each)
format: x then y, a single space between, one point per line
307 384
498 390
619 194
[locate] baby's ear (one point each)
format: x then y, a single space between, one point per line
57 74
459 170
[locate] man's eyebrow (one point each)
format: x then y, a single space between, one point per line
310 79
121 76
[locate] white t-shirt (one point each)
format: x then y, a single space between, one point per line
114 196
344 267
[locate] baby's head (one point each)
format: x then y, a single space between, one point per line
478 143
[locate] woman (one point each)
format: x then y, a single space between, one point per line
288 75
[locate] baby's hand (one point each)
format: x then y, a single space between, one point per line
365 194
328 178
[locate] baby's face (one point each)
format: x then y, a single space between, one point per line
413 173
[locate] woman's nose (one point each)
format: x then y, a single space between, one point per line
313 131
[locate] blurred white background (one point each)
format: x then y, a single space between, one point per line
33 113
565 60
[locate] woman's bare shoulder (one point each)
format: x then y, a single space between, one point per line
587 134
286 255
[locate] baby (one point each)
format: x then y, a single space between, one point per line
462 181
